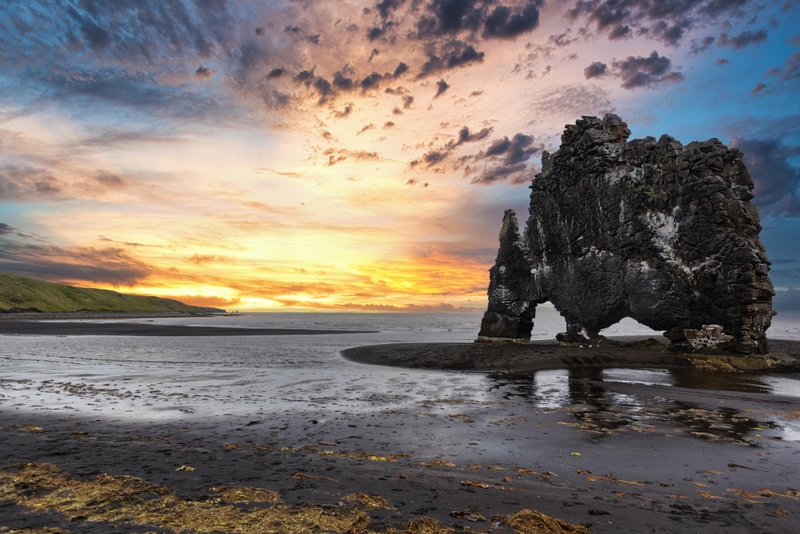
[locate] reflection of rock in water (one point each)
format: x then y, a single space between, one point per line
720 381
604 412
720 423
654 230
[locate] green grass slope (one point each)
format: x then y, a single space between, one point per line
20 294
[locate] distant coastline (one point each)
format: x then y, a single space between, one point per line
25 296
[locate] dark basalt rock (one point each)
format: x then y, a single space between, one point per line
654 230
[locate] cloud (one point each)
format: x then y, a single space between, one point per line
454 54
507 160
367 127
595 70
504 24
746 38
441 87
81 265
207 301
760 86
464 136
484 17
790 69
203 72
96 37
776 180
28 184
6 229
650 71
667 21
699 47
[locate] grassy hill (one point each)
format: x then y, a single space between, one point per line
20 294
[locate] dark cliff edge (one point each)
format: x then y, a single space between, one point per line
651 229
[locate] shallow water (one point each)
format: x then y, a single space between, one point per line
163 377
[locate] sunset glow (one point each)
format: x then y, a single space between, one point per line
355 155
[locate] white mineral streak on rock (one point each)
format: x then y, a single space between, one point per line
665 230
613 177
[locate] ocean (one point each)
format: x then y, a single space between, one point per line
164 378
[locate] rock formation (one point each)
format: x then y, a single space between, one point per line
654 230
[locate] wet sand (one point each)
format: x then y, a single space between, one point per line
618 457
68 328
542 355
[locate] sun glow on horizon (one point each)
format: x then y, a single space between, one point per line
351 155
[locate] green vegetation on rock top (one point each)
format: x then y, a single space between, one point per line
20 294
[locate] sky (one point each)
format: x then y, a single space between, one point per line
337 155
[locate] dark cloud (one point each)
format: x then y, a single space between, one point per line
6 229
109 265
388 124
794 41
790 69
451 17
277 72
464 136
386 7
746 38
375 33
203 72
621 31
367 127
260 31
342 82
595 70
502 23
413 181
324 89
454 54
305 77
648 71
723 61
95 36
313 39
777 181
666 20
441 87
699 47
291 29
407 101
371 82
501 173
401 69
758 88
671 35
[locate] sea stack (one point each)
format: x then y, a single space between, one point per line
649 229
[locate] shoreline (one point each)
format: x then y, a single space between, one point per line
37 316
579 446
547 355
67 328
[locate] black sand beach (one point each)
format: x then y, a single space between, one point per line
618 457
120 328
